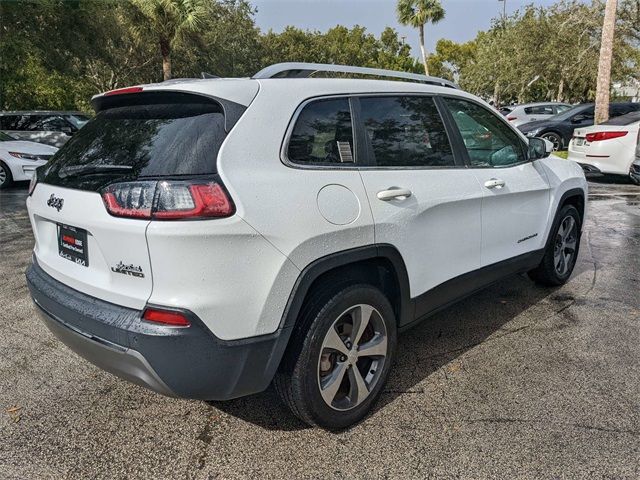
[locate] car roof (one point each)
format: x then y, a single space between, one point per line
538 104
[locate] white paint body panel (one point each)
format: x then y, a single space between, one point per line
513 212
238 273
437 230
110 240
22 169
609 156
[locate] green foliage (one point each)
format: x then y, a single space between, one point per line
416 13
542 54
58 53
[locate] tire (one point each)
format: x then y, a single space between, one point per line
561 251
322 378
556 139
6 179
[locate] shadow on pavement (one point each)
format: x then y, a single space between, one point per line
421 351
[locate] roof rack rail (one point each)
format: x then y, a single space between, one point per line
305 70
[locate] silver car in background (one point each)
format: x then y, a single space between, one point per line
49 127
530 112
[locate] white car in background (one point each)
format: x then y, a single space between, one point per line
19 159
608 148
532 112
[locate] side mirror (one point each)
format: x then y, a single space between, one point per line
67 130
539 148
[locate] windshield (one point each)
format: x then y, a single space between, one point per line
5 138
78 121
567 114
132 142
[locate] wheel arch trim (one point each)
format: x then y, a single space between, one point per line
344 258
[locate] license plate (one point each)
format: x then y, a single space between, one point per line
580 142
72 244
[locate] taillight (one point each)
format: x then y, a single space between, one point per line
511 119
168 200
166 317
121 91
598 136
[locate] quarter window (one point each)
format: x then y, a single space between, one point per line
405 131
323 134
488 140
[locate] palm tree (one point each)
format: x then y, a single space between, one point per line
604 64
168 20
416 13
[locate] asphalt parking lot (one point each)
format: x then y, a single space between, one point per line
514 382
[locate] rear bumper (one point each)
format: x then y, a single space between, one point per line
590 169
183 362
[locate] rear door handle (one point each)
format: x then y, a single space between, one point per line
392 193
494 183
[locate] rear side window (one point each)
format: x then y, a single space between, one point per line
322 134
405 131
539 110
132 142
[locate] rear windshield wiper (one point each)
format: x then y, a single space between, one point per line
93 169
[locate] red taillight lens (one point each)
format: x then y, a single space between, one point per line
598 136
168 200
130 199
511 119
166 317
121 91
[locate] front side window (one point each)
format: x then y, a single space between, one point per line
51 124
488 140
322 134
405 131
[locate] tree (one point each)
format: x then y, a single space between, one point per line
416 13
169 20
604 64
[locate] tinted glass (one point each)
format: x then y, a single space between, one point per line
140 141
539 110
405 131
562 108
489 142
5 138
54 124
578 109
627 119
615 110
10 122
323 134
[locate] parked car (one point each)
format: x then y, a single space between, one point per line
284 229
559 129
51 128
530 112
19 159
608 148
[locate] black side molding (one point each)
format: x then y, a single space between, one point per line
336 260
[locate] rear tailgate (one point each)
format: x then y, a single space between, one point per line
117 260
92 204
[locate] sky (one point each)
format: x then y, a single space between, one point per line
464 18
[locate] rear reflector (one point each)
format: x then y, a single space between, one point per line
121 91
168 200
598 136
166 317
511 119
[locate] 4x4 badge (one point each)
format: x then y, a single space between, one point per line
55 202
128 270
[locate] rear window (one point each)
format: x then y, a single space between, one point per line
132 142
539 110
627 119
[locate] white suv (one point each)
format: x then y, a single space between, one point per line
204 238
